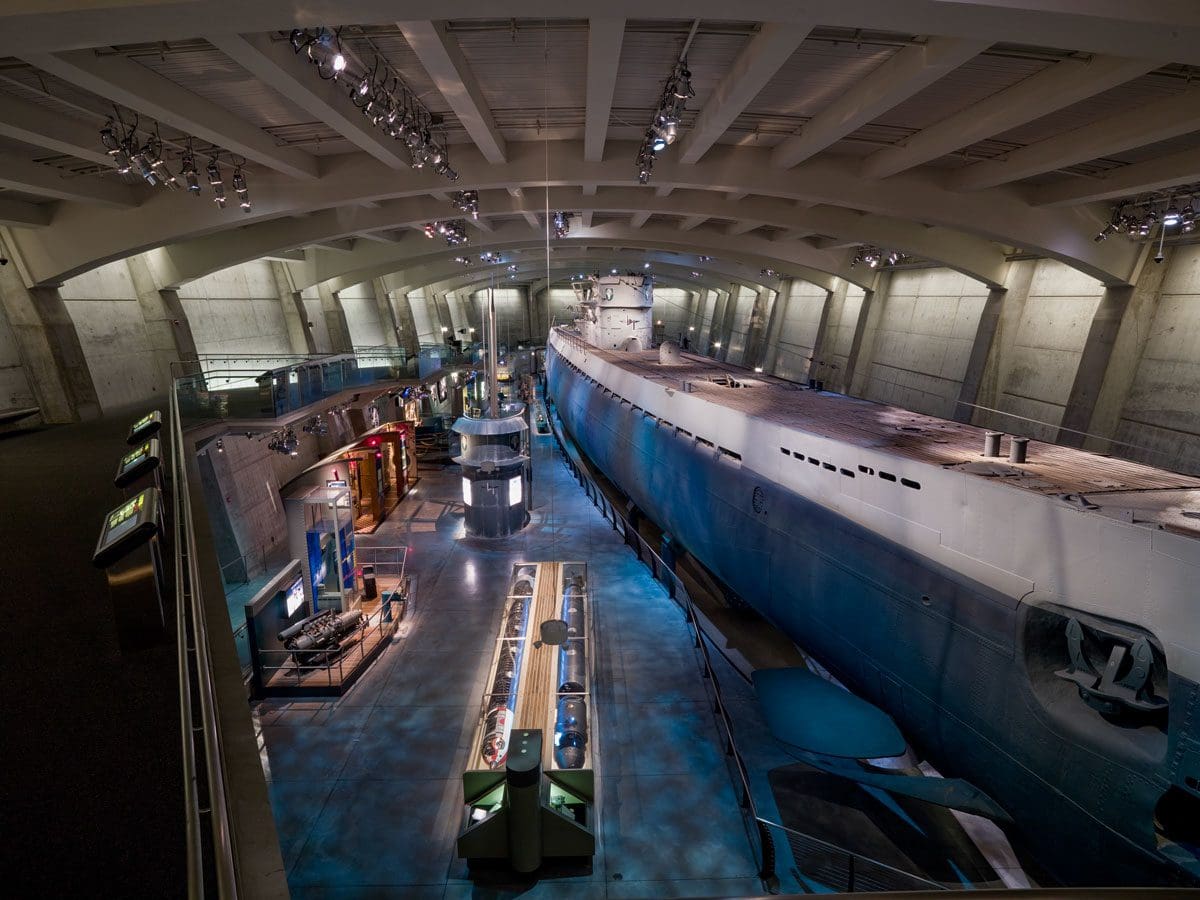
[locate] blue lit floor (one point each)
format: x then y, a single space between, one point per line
367 790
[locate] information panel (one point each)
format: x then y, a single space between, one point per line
128 526
139 461
145 427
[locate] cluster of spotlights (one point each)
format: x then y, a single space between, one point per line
285 442
454 231
1138 220
466 202
562 224
381 96
874 257
316 426
129 154
664 128
768 272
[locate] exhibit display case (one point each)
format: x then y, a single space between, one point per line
529 786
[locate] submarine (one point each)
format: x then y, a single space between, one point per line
1029 623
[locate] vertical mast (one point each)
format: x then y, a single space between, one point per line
493 381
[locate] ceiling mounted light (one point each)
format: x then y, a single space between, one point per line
664 127
215 181
562 224
239 185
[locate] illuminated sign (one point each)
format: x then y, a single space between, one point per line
514 490
337 483
132 523
123 518
144 427
467 491
295 596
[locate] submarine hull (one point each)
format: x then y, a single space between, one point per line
959 666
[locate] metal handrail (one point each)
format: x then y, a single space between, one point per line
196 677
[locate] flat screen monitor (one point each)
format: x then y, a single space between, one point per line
295 597
141 460
147 426
127 526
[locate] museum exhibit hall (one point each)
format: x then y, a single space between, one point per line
600 452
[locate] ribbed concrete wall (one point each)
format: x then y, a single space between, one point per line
237 312
922 340
1050 337
672 307
798 330
362 315
15 391
112 334
1161 416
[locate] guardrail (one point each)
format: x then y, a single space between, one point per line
211 860
860 872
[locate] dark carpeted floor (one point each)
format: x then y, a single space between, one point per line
89 741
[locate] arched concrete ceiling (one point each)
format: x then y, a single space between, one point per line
339 270
1151 30
85 236
448 275
896 151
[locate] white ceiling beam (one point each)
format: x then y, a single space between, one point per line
46 181
906 73
1152 175
793 234
24 215
735 228
514 191
638 219
1148 124
275 64
755 65
589 190
586 218
481 223
663 190
1050 90
341 245
129 84
1098 26
384 236
603 57
39 126
443 59
692 222
532 219
735 196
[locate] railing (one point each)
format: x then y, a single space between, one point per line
376 628
860 872
211 862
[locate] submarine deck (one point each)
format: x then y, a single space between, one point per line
1155 495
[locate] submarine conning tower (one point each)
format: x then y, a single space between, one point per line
616 311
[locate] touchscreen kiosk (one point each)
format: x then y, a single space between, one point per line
145 427
129 552
138 462
127 527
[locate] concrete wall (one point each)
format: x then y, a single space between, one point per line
672 307
738 321
103 306
428 332
237 312
512 314
803 305
1160 419
926 324
1037 376
316 320
362 315
15 390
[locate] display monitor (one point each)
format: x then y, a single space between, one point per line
295 596
147 426
139 461
128 526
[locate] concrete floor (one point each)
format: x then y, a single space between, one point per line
367 789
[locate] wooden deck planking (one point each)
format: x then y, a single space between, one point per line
1051 469
537 676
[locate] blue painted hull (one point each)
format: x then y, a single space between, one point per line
942 654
